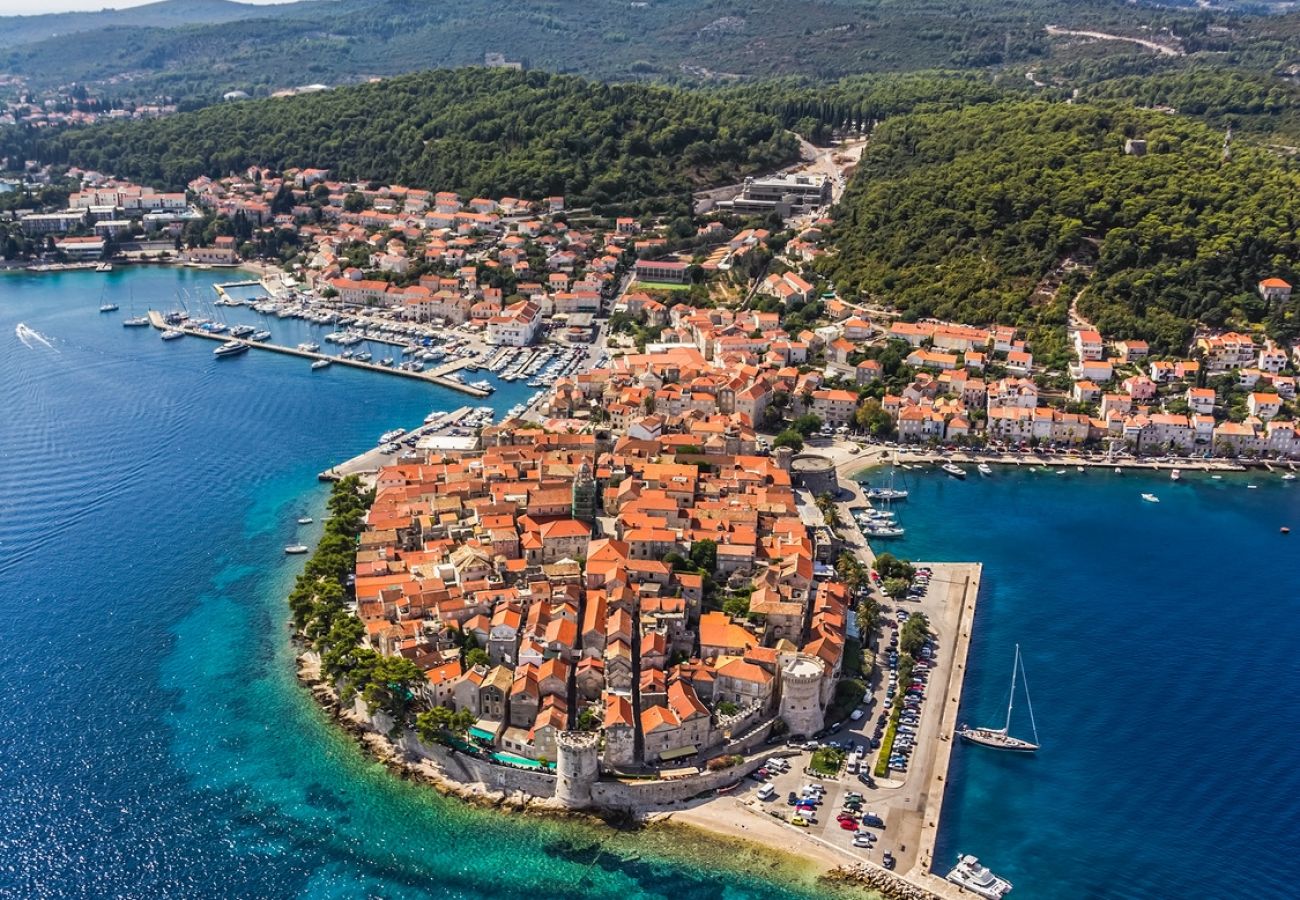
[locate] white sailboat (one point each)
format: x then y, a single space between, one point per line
1000 738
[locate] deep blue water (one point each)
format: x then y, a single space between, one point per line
153 740
1160 643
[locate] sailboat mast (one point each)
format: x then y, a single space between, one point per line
1029 703
1011 699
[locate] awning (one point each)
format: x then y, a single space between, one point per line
679 753
481 735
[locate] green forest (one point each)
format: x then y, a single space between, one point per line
477 131
961 214
213 50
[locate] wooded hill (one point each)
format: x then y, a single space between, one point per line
961 214
477 131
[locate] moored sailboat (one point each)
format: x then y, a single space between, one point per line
1000 738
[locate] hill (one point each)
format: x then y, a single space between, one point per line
964 214
477 131
15 30
661 40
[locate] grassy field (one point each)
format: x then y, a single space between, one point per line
661 286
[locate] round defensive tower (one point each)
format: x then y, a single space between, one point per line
801 706
783 455
576 767
815 473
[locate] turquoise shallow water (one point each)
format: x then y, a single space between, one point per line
1160 645
153 741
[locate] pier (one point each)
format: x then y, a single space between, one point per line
156 319
374 459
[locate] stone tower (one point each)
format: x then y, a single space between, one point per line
801 702
585 494
576 768
783 457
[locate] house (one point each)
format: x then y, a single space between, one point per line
834 407
930 359
515 326
1264 406
1088 345
1274 290
1201 400
1131 350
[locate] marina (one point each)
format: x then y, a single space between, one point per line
178 330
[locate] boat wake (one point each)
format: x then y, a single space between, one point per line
31 338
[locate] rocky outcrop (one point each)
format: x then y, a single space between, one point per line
882 881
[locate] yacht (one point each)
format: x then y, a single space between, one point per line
984 469
135 322
953 470
108 307
172 334
363 356
976 878
881 493
309 347
320 364
390 436
1150 498
883 530
240 331
262 335
483 385
1000 738
230 348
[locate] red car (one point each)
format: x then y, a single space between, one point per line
848 825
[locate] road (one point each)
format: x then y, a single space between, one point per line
1162 49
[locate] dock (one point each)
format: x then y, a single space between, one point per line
374 459
156 319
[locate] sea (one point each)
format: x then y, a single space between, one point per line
155 743
1159 643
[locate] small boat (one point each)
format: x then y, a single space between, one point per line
363 356
1060 472
108 307
1176 475
230 348
172 334
305 520
260 336
1285 530
1000 738
953 470
320 364
1118 470
1217 477
984 469
1078 468
969 875
295 549
386 361
242 331
1150 498
1289 476
309 347
1251 487
135 322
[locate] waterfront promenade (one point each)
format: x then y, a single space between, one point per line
156 319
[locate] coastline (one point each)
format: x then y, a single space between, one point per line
765 840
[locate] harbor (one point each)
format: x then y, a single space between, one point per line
451 430
157 320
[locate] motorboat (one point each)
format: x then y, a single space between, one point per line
296 549
1150 498
108 307
135 322
309 347
240 331
305 520
321 364
1175 475
954 470
970 875
984 469
172 334
363 356
230 348
881 493
1289 476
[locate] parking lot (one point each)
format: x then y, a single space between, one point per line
898 799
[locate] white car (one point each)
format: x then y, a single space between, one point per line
856 714
862 843
766 792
